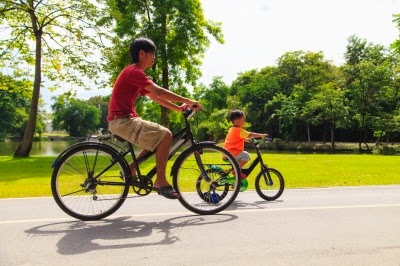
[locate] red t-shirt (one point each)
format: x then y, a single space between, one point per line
129 84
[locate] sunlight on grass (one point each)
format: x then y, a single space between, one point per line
30 177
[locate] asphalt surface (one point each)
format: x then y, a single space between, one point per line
332 226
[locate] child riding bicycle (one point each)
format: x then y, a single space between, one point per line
234 141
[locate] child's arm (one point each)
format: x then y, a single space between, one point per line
257 135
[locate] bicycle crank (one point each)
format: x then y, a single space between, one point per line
142 185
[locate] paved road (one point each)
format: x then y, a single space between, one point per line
333 226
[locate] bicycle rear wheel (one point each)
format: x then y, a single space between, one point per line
89 182
269 184
202 175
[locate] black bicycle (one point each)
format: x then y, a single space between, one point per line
269 182
91 179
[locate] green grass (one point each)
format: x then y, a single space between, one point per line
30 177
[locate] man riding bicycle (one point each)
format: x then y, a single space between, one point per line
124 121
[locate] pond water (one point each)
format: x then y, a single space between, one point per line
44 148
54 148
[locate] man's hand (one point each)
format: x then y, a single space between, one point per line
195 105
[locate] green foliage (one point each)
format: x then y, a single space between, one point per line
101 102
60 38
79 118
14 107
254 89
68 34
178 28
372 86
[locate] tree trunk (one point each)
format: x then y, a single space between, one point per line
165 72
164 111
25 146
325 130
361 137
333 126
308 132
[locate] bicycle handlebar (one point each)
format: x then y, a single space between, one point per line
256 141
188 111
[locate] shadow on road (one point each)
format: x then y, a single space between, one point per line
81 237
262 204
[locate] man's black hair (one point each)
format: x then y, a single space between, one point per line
236 114
141 43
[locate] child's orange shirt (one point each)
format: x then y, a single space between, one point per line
234 141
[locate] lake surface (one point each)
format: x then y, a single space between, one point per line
54 148
44 148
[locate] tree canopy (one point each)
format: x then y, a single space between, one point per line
58 38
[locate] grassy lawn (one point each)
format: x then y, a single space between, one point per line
30 177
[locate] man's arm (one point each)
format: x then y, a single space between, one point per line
163 96
164 103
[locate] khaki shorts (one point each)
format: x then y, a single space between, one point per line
145 134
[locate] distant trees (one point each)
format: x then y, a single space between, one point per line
77 117
14 107
371 73
306 97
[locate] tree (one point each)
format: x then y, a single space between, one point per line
368 77
179 30
301 75
254 90
57 37
328 105
214 101
101 102
75 116
14 95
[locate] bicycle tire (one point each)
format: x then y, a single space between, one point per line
211 194
77 190
271 191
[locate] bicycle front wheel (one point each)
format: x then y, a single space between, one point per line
207 179
89 182
269 184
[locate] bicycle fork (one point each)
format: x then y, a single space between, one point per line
201 166
267 177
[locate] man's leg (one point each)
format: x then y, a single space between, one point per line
162 153
132 165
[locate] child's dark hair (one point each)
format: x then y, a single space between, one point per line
236 114
141 43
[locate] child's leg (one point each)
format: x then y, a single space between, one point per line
242 163
242 159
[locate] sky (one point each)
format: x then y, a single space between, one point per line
258 32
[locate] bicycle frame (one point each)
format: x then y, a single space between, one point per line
180 138
248 170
